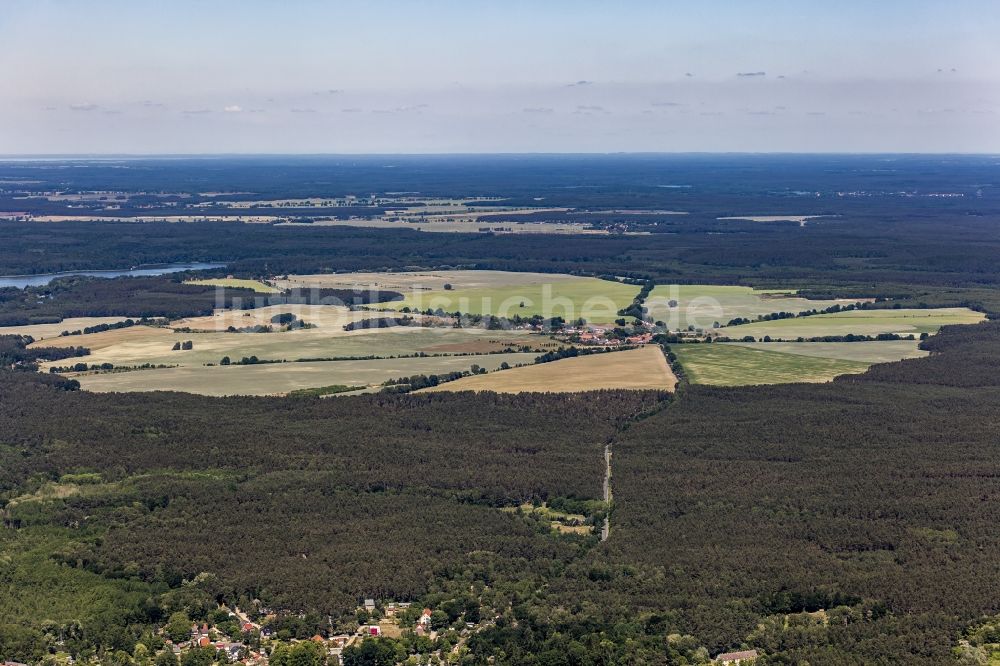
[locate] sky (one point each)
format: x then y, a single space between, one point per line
425 76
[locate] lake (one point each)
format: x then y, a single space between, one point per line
22 281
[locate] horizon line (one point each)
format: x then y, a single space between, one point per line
76 156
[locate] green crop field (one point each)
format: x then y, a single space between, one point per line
859 322
866 352
597 301
701 305
731 365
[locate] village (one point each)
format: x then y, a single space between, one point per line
234 636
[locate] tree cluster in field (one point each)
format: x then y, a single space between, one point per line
114 326
571 352
14 352
379 322
636 309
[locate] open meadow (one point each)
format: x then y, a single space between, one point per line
642 368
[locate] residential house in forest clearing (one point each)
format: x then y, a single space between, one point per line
741 658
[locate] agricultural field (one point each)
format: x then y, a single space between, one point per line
597 301
701 305
499 293
445 224
858 322
140 344
416 281
327 318
49 331
865 352
801 219
731 365
282 378
238 283
643 368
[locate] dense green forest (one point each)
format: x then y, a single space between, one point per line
305 503
738 512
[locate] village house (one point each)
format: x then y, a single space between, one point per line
369 605
425 618
737 658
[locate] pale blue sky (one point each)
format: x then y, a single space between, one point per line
477 76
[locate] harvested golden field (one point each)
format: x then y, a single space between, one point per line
105 339
237 283
140 344
331 319
47 331
282 378
643 368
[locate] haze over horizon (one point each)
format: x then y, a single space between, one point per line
449 77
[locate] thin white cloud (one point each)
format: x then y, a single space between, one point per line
85 106
233 108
